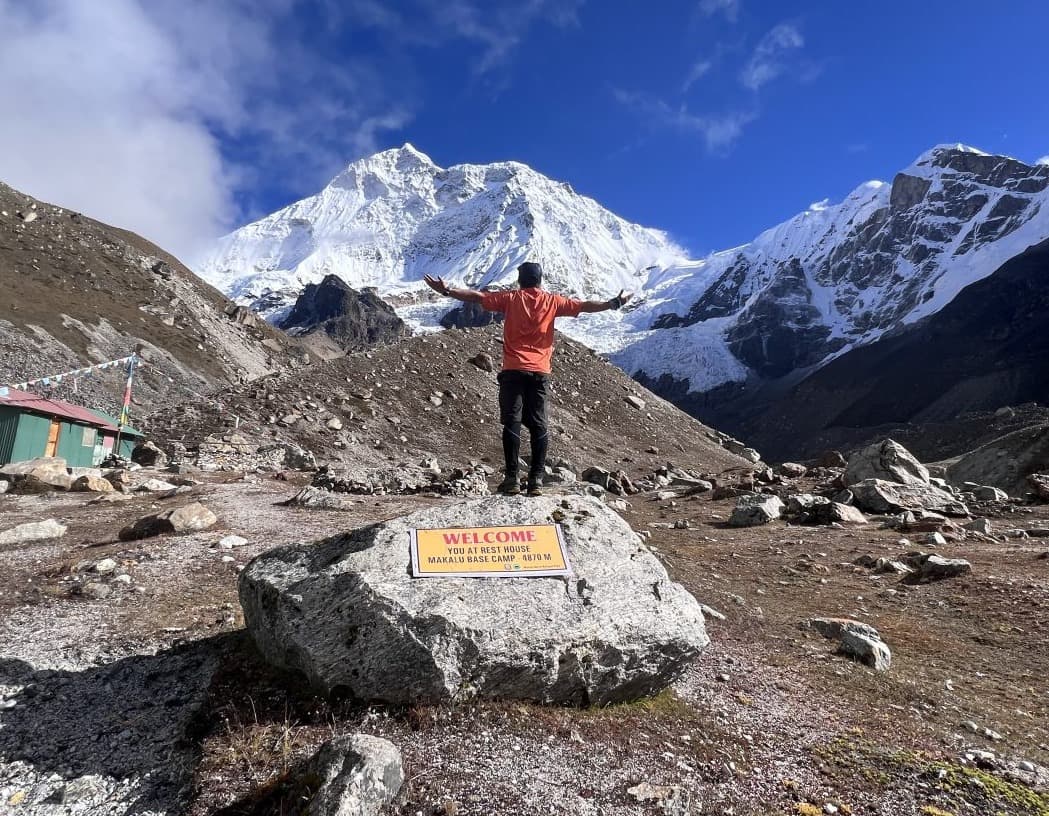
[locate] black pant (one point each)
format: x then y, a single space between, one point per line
522 401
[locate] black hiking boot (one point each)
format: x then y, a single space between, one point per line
535 485
509 486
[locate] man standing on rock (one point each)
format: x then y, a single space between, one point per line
528 345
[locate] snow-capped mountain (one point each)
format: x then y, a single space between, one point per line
834 277
842 275
388 220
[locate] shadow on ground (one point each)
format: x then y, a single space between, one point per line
136 718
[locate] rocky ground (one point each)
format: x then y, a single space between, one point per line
149 698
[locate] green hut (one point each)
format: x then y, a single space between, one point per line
32 426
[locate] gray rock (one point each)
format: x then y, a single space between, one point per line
871 651
105 566
96 590
844 497
1039 484
4 486
482 361
1006 462
936 568
987 493
320 499
803 504
33 531
888 461
878 496
792 470
635 402
857 640
346 612
231 541
153 486
935 540
186 519
755 509
335 424
836 513
980 525
355 775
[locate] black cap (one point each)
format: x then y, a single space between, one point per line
529 274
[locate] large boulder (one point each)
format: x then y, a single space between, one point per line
877 496
39 475
353 775
754 509
346 612
888 461
189 518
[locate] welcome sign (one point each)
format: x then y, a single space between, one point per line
490 552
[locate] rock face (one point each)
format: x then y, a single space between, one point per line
356 775
888 461
355 320
33 531
186 519
346 612
1006 462
755 509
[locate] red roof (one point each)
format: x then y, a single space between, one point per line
40 405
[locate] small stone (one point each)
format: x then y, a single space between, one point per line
711 612
936 540
334 424
980 525
105 566
231 541
635 402
96 591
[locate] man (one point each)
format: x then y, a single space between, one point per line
528 345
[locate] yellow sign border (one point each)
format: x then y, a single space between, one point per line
419 572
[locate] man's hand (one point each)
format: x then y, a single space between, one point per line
437 284
624 297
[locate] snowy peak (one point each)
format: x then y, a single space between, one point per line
389 219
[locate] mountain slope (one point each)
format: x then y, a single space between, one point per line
77 292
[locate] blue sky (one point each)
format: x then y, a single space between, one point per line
712 119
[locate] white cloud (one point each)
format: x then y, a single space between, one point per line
770 56
719 131
730 8
118 108
1043 160
498 29
699 69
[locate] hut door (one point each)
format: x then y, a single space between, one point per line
52 438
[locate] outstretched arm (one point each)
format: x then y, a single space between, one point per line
466 295
618 302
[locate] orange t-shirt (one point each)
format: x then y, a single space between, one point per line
528 330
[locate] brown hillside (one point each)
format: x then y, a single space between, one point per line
77 292
386 400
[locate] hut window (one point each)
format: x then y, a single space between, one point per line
89 437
